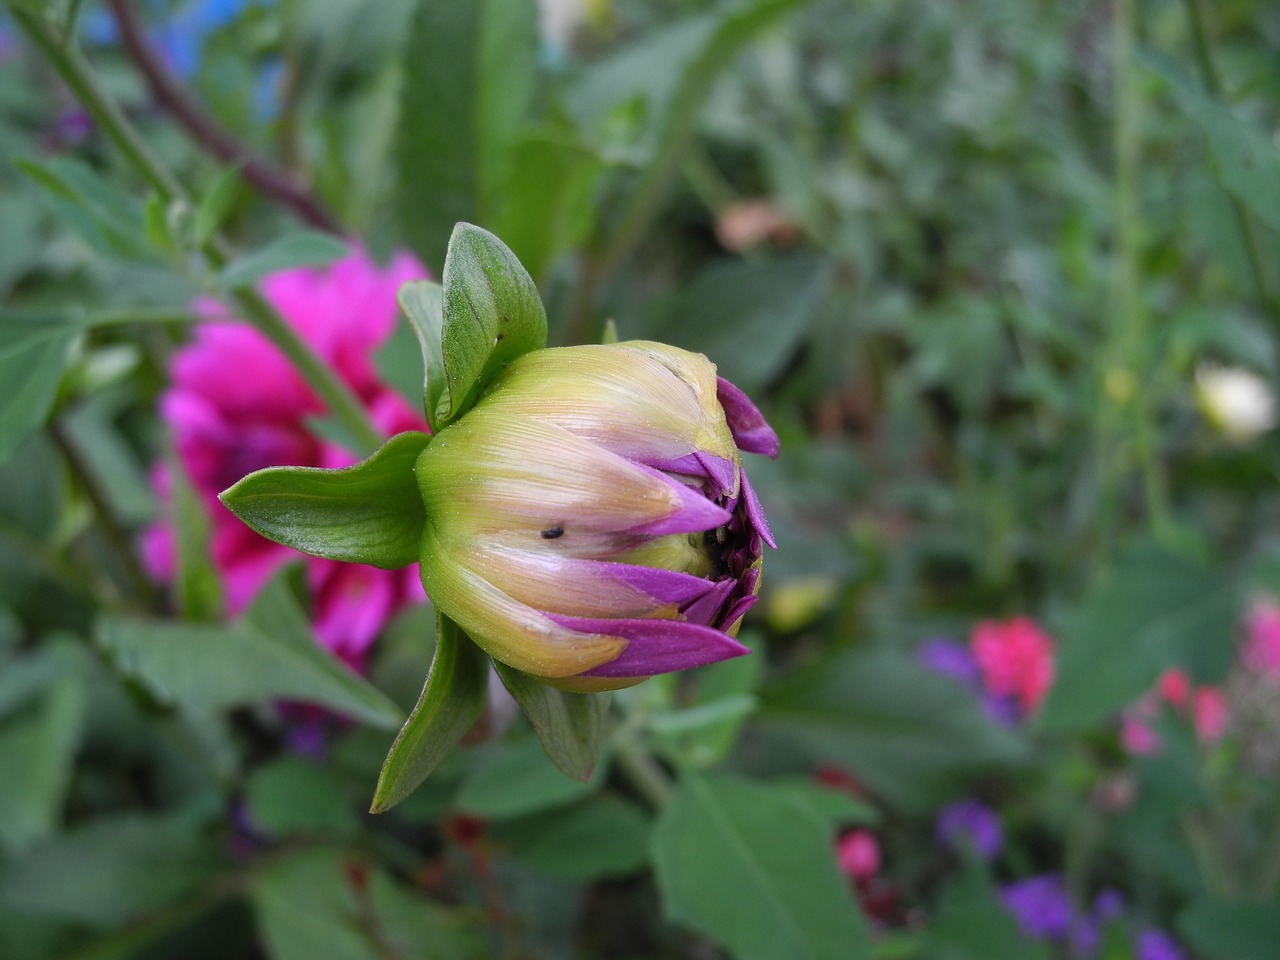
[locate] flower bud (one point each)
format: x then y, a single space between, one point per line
589 521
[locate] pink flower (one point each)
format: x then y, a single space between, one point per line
1137 737
858 855
1015 658
1175 686
237 405
1209 711
1261 652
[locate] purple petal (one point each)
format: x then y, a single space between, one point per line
755 512
656 646
706 609
665 586
748 426
739 608
723 472
700 464
695 514
951 659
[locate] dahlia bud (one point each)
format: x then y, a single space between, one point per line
589 521
579 514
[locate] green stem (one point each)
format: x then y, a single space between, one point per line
148 316
117 539
1131 326
644 773
75 72
1213 83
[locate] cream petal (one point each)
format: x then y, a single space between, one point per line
506 629
495 472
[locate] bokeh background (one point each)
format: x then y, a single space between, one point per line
1002 274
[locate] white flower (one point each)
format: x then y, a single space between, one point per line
1235 401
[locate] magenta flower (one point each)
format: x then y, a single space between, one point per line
1261 652
589 522
1209 713
858 855
237 405
1016 660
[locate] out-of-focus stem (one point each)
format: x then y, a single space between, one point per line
1212 83
342 403
643 773
147 596
208 132
1131 313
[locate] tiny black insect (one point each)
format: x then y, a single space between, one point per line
552 532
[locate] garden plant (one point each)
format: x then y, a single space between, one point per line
639 480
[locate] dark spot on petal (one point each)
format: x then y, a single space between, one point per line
552 533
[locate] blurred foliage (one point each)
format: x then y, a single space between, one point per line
968 258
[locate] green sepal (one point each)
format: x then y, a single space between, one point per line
367 513
422 302
451 702
570 725
492 314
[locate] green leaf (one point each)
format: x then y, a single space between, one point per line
832 804
514 778
33 353
199 588
291 795
602 837
749 318
1247 930
422 302
156 215
368 513
214 205
108 871
909 733
1246 156
1149 610
452 699
307 248
653 91
469 73
570 725
105 217
547 207
323 902
37 749
492 315
788 897
269 655
28 676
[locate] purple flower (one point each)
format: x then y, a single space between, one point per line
1108 905
1156 945
1041 907
589 521
950 659
8 42
1002 709
973 824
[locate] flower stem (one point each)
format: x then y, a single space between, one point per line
75 72
644 773
1129 363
